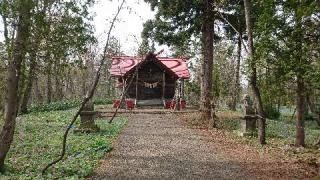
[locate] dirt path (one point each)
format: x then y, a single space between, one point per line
159 146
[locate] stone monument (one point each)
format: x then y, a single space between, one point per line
248 122
87 116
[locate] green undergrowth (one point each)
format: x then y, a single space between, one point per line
63 105
281 131
280 137
37 142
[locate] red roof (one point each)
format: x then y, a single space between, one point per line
122 64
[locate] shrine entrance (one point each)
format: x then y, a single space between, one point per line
155 78
154 81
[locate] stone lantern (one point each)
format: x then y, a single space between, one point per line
248 122
87 116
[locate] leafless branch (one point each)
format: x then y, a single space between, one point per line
89 94
242 41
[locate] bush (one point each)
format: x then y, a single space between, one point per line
102 101
54 106
63 105
272 112
309 117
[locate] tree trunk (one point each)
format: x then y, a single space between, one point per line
7 40
207 63
58 83
37 91
22 83
88 96
300 134
300 71
13 75
58 90
318 119
49 83
310 102
237 88
32 75
27 92
69 83
253 75
84 82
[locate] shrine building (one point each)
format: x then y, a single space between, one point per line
157 81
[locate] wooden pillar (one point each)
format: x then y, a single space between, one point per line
137 85
163 85
124 84
182 89
178 91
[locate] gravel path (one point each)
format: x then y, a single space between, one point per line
159 146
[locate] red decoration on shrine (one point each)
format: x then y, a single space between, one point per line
171 104
183 104
129 103
116 103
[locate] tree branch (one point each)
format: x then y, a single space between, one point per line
242 41
89 94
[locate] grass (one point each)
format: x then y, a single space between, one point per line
285 129
281 131
37 142
228 120
280 137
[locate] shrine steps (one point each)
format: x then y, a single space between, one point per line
149 103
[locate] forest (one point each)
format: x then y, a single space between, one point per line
54 65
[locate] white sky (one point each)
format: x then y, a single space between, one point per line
129 27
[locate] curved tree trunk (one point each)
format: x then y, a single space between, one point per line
13 75
253 75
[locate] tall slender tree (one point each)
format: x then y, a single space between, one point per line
13 77
300 72
207 31
253 72
176 23
289 51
